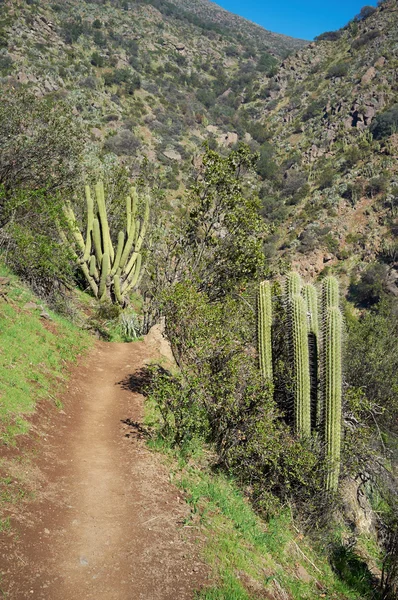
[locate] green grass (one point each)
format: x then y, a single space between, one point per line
248 557
33 358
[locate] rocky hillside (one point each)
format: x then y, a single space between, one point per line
331 174
157 78
150 78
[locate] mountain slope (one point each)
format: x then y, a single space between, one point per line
335 182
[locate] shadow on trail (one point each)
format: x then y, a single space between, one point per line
138 382
137 431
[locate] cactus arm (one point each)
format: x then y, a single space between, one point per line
130 265
116 287
71 220
120 246
333 396
144 227
128 212
311 299
105 268
132 279
293 285
90 219
106 238
90 279
330 288
93 267
264 324
302 410
128 246
97 241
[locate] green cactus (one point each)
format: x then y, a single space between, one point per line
312 353
332 390
311 299
110 274
330 292
302 392
292 285
264 324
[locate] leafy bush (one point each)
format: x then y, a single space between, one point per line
315 108
365 38
385 123
124 142
97 60
329 36
371 286
326 177
372 352
50 155
365 13
338 70
266 166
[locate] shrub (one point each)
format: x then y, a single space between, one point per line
314 109
365 38
385 123
365 13
371 286
377 185
326 177
266 167
124 142
337 70
6 64
97 60
329 36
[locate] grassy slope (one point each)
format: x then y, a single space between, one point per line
33 356
248 558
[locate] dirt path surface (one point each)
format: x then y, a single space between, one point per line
106 524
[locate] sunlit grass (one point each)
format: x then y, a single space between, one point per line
33 358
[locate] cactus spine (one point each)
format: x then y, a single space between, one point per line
331 379
110 274
264 322
332 395
311 299
311 353
302 400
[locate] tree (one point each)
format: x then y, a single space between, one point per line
41 144
217 240
41 162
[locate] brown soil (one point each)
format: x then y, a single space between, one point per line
106 522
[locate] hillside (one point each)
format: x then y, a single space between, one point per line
148 78
165 163
331 175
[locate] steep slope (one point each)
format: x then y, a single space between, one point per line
331 174
211 12
150 78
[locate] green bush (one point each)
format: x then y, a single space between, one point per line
385 123
365 39
337 70
123 143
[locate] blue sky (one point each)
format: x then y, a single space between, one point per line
298 18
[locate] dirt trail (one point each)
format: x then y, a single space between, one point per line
107 524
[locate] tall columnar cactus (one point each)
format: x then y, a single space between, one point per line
110 273
310 295
332 391
302 391
330 292
292 284
264 324
315 407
